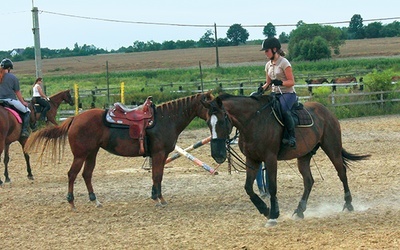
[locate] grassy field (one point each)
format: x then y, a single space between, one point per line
173 59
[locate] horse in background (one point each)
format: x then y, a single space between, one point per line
55 101
88 132
10 131
260 137
344 80
315 81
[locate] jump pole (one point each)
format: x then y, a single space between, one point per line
188 149
195 160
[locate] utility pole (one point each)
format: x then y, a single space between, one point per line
36 36
216 45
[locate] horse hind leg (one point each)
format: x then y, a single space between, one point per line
303 164
87 176
72 173
6 161
340 166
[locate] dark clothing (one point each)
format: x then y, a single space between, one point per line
43 103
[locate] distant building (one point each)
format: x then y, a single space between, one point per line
16 52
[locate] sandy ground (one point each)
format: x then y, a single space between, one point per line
206 211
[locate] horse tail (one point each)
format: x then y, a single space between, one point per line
53 135
347 157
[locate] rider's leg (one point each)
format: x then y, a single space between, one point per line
289 124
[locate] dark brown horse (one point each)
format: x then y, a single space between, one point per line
10 131
260 141
55 101
87 133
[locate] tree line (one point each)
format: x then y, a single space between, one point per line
307 42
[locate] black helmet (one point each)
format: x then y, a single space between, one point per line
6 64
270 43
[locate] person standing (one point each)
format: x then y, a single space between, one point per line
11 94
279 75
40 98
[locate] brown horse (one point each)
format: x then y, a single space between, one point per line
346 79
260 141
10 131
87 133
317 81
55 101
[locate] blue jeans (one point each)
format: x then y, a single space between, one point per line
287 100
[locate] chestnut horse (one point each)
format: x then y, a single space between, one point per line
260 141
10 131
55 101
87 133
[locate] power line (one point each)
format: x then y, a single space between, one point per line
204 25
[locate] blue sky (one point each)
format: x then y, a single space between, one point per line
57 31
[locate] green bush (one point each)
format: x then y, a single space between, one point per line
379 81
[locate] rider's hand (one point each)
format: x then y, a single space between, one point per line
277 82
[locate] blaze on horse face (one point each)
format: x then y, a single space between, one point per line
220 127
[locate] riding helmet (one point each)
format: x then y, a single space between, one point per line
6 64
270 43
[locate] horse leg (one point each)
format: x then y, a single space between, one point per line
6 161
72 173
87 174
251 172
271 166
27 158
303 164
28 166
337 160
158 161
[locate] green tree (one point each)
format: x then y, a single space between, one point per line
356 27
207 39
283 37
373 30
237 34
307 35
391 29
269 30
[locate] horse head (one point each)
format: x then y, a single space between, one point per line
68 98
220 127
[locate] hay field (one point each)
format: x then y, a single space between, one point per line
240 55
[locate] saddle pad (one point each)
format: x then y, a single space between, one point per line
15 114
304 118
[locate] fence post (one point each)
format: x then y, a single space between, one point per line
123 92
76 95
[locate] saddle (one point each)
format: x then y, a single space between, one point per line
137 120
301 116
12 111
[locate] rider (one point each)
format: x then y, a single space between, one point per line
279 74
40 98
11 94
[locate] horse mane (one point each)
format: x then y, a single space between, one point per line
226 96
182 104
59 93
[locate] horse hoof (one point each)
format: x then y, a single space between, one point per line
348 206
271 223
31 178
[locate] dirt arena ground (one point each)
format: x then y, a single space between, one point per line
206 211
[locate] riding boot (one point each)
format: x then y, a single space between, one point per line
25 124
289 124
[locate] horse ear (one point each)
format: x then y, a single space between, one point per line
205 103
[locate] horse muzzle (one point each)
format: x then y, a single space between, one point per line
218 150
